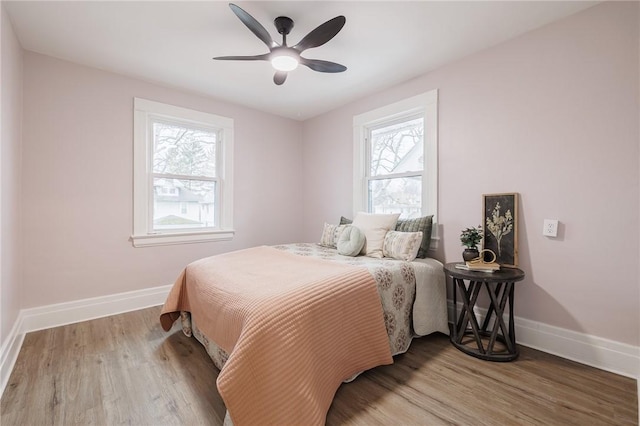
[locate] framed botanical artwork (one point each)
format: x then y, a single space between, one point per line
500 227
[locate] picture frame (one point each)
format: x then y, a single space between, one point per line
500 227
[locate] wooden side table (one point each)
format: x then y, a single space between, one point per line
500 288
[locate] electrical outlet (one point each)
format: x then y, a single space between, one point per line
550 228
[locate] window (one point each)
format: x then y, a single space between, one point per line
182 175
395 158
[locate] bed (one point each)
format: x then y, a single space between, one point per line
354 314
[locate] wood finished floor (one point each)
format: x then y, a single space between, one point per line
125 370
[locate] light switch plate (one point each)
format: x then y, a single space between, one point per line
550 228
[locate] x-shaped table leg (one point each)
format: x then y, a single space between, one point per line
469 298
498 310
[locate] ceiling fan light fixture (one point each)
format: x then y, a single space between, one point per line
284 60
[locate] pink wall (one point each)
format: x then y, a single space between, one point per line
552 115
11 95
77 183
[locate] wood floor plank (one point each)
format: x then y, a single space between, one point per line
125 370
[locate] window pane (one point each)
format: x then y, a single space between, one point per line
182 150
180 204
398 195
397 148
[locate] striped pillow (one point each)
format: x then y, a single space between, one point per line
402 245
331 234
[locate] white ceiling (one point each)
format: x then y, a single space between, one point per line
383 42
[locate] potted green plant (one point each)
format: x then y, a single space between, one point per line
470 238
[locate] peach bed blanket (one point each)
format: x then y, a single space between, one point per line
295 328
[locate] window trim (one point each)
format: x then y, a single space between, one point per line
143 235
426 105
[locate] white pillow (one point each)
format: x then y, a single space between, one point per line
330 235
402 245
351 241
374 227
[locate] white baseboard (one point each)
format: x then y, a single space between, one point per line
9 352
96 307
50 316
608 355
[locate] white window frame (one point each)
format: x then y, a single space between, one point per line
145 112
425 105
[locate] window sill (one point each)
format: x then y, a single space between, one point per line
181 238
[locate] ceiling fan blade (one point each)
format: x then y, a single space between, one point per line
322 34
253 25
264 57
279 77
322 66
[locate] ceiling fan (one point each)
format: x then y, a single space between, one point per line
287 58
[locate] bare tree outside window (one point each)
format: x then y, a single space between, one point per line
396 154
184 168
184 151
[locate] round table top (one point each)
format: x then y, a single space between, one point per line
504 274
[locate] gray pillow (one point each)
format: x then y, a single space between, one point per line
424 224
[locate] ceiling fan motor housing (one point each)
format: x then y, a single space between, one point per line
283 24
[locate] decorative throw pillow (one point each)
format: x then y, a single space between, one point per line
402 245
374 227
330 235
424 224
351 241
